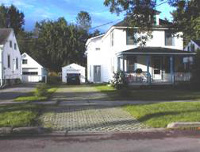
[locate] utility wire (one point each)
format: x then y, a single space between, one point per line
120 19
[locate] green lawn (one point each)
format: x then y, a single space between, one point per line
31 97
161 114
161 94
18 116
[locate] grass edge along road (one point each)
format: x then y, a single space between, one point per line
159 115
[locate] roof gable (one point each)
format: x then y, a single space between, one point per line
26 56
4 34
74 66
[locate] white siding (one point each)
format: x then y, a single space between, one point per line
12 72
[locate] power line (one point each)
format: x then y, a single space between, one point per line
120 19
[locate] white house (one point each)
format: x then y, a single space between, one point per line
192 46
73 69
116 50
10 58
32 71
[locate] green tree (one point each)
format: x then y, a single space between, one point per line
140 13
83 20
187 19
11 17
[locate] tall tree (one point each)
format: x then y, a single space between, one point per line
11 17
83 20
187 19
59 43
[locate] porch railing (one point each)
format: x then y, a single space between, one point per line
182 76
144 78
137 78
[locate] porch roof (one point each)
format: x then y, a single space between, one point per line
156 51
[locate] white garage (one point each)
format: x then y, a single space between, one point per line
32 71
73 69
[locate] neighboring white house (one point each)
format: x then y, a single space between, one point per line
73 69
10 58
32 71
116 50
192 46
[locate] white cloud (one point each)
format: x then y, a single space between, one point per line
19 3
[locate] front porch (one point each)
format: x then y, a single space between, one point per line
154 66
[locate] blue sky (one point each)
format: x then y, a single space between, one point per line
37 10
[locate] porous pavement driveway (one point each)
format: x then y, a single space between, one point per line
84 116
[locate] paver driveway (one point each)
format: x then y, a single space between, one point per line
87 117
90 119
78 93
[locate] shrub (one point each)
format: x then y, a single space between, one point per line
53 79
119 80
41 90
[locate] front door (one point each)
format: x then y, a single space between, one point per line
97 73
157 70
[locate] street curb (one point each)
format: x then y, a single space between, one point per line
184 125
39 131
20 131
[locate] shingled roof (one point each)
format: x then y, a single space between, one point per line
163 23
4 33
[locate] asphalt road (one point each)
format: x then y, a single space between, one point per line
170 141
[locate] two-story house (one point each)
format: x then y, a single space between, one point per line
158 61
10 58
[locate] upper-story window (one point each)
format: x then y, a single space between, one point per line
17 63
24 61
98 49
10 44
8 59
112 39
192 48
131 38
15 46
169 39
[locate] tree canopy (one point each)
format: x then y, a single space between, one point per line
140 13
11 17
83 20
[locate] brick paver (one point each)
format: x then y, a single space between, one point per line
90 119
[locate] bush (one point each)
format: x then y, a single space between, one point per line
119 80
41 90
53 79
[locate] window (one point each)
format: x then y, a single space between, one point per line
192 48
169 40
112 39
8 61
17 66
131 63
30 73
15 46
10 44
24 61
98 49
130 38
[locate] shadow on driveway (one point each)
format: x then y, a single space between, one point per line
10 93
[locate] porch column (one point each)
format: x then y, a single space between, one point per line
123 69
118 63
148 71
172 69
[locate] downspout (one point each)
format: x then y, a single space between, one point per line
1 66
